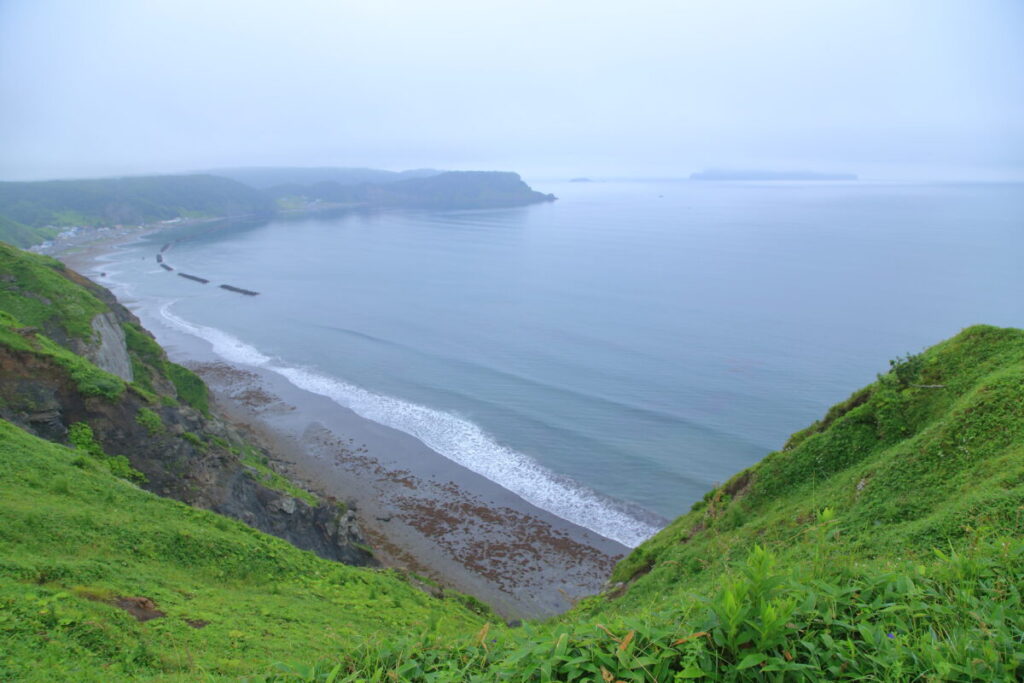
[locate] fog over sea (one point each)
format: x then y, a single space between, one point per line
612 355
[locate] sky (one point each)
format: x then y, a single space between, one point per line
890 89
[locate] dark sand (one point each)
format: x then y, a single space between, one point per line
420 510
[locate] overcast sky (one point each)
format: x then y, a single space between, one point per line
888 88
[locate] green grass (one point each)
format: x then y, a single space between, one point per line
36 292
261 472
883 543
67 533
90 380
151 421
957 617
148 358
907 465
92 454
191 389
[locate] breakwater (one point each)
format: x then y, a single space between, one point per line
196 278
247 292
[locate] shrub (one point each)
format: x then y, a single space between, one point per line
150 420
191 389
82 438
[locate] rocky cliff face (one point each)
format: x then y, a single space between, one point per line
189 457
185 454
110 352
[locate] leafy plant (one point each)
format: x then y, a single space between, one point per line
150 420
81 436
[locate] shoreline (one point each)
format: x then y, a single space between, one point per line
421 511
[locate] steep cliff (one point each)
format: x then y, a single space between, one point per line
70 354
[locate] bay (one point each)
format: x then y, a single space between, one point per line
613 354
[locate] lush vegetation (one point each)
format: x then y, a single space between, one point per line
191 389
90 380
883 543
37 291
81 437
76 541
259 469
129 201
150 420
957 617
149 361
933 449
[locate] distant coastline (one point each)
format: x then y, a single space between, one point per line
34 212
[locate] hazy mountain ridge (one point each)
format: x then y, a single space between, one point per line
31 212
126 200
266 177
448 190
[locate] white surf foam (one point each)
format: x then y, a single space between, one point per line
224 345
455 438
465 443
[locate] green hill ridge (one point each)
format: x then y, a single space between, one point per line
31 212
881 543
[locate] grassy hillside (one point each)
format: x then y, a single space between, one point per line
20 235
884 542
75 542
130 201
36 290
932 450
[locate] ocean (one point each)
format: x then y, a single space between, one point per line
610 356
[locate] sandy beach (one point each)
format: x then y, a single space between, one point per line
421 511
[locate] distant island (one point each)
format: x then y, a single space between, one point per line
723 174
581 180
32 212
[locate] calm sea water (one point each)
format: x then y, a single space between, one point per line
615 352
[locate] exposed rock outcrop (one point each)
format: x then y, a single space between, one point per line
189 458
111 351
